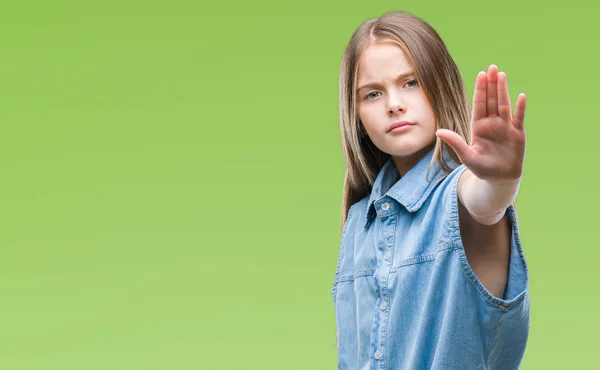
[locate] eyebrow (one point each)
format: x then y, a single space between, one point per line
375 84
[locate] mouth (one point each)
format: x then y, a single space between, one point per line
398 125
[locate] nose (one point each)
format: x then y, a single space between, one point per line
395 104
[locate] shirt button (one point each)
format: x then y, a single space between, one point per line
385 206
377 354
383 305
387 254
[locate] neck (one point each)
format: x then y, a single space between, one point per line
405 163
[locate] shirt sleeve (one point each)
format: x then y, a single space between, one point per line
518 275
512 327
511 321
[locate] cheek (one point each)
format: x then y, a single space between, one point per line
427 114
368 116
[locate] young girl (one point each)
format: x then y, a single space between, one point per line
431 272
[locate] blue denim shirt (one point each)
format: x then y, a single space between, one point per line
405 296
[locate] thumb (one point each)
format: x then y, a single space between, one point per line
457 143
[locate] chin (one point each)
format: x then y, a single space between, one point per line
409 149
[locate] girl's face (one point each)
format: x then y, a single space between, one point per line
389 94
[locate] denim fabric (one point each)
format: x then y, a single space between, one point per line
405 296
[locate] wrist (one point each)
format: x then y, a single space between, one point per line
487 200
489 219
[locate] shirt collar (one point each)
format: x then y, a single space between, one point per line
413 189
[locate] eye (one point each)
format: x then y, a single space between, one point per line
370 95
414 81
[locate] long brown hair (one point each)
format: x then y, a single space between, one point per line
437 75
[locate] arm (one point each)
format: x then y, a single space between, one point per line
485 233
494 161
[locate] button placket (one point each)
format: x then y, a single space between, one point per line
386 210
387 230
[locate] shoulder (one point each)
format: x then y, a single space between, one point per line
357 211
445 195
440 210
450 182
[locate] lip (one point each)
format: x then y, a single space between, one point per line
399 126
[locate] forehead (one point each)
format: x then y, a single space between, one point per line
380 61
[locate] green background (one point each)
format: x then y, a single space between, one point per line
172 177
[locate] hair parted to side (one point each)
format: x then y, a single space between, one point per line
437 75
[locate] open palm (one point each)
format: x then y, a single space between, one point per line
497 149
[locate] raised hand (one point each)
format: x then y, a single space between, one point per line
497 149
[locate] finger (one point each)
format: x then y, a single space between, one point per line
480 97
492 90
456 142
519 115
504 104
